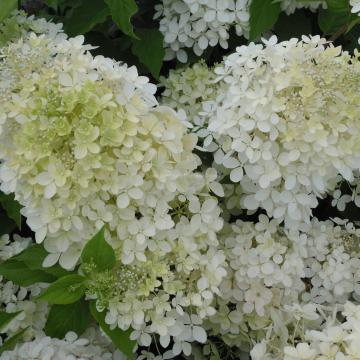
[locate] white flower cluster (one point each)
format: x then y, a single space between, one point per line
90 346
334 339
199 24
171 293
285 123
346 193
271 270
83 144
187 89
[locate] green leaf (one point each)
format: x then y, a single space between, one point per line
6 7
64 318
150 50
335 17
99 252
33 257
12 207
295 25
5 318
121 339
6 224
86 16
353 21
263 15
52 3
65 290
20 274
121 13
215 352
10 343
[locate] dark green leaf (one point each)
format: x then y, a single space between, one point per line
6 224
121 13
149 49
86 16
52 3
294 25
33 257
20 274
12 207
65 290
98 252
10 343
263 15
6 7
64 318
353 21
335 17
5 318
351 42
121 339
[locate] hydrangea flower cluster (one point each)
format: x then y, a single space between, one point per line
186 90
90 346
284 121
346 193
171 293
334 339
88 146
200 24
270 269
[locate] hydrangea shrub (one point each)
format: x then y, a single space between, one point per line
210 213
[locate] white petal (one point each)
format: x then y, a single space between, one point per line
217 189
165 341
199 334
50 191
231 162
51 260
40 234
43 178
65 79
236 174
264 181
80 151
290 182
122 201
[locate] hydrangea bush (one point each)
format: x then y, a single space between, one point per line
209 213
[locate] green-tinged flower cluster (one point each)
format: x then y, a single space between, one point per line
83 144
19 25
